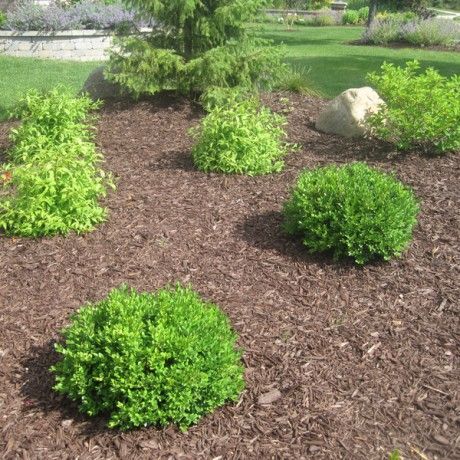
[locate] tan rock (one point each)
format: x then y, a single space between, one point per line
347 113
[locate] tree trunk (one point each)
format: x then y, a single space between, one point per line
372 11
188 38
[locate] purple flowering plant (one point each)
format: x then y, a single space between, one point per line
87 14
417 32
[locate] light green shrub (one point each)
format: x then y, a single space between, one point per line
351 17
53 180
241 138
353 211
55 193
52 118
221 97
149 358
422 110
363 14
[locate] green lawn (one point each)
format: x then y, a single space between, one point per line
20 74
335 65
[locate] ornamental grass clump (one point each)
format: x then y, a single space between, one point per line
240 138
353 211
53 180
149 358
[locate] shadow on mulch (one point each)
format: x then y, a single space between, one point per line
157 103
175 160
37 389
264 231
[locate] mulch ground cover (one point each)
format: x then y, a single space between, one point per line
341 361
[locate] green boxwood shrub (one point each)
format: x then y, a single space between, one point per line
241 138
352 211
421 111
149 358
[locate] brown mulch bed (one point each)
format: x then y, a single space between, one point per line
364 358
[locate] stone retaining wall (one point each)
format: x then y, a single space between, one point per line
75 45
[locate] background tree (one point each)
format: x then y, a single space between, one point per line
194 26
196 44
373 7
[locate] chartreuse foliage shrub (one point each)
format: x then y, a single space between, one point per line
149 358
353 211
53 181
52 118
218 97
351 17
422 110
240 138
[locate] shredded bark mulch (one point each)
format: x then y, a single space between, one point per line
341 361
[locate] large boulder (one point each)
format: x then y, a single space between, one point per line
99 88
347 113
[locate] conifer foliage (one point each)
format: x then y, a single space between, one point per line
190 46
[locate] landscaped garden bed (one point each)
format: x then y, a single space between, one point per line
341 361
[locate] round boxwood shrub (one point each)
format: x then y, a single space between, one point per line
240 138
353 211
149 358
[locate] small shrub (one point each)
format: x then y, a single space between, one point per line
352 211
422 110
363 14
221 97
400 16
149 358
241 138
351 17
53 181
323 20
56 117
55 193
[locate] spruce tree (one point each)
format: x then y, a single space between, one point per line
195 44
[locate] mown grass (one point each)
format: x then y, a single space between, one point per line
17 75
324 54
334 64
